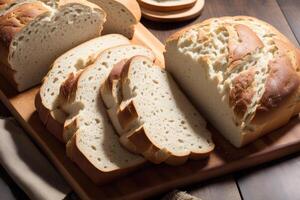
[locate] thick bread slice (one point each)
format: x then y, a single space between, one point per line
241 73
48 102
170 129
111 94
93 136
33 34
122 16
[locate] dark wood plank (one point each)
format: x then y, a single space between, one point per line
279 180
290 9
224 188
276 181
4 112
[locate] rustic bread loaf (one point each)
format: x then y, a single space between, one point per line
33 34
122 16
4 4
241 73
71 63
93 143
166 126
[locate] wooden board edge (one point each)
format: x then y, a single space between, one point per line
214 173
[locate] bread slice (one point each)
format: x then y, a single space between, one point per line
169 128
111 95
240 72
33 34
71 63
122 16
93 143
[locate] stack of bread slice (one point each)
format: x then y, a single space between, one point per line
91 137
153 117
70 106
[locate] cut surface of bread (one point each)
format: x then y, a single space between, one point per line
71 63
122 16
241 73
33 35
167 128
88 127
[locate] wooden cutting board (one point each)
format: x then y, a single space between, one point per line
166 6
152 179
174 16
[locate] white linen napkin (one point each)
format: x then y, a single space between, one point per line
27 166
5 191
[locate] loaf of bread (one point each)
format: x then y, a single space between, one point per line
33 34
241 72
92 142
70 64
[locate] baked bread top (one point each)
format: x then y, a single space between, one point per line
4 3
12 22
252 64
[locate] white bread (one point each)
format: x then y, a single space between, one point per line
240 72
158 120
71 63
94 146
122 16
33 34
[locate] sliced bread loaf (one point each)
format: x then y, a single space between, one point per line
164 125
241 73
71 63
33 34
93 143
122 16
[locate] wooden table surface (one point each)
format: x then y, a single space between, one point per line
279 180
